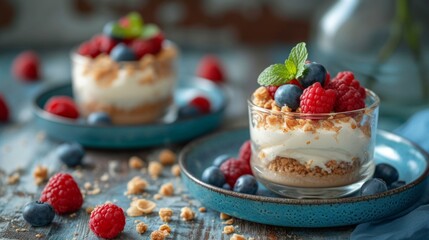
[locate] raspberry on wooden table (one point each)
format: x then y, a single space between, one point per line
26 66
107 220
62 193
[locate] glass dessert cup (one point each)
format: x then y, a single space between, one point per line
313 155
133 92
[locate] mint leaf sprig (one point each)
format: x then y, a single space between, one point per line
278 74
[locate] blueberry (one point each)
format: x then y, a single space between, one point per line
373 186
220 159
386 172
99 118
288 95
122 53
38 214
213 176
189 111
313 72
246 184
71 154
226 186
397 184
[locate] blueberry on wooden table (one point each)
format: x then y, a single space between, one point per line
38 213
71 154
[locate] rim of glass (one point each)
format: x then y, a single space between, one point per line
369 94
81 59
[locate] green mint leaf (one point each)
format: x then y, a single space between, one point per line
298 55
275 75
291 67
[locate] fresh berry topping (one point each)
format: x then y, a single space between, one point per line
189 111
315 99
348 99
104 43
88 49
143 47
62 106
4 110
122 52
26 66
220 159
157 41
314 72
397 184
373 186
38 213
99 118
213 176
210 68
288 95
233 169
246 184
346 78
62 193
327 79
245 153
386 172
71 154
202 103
272 90
107 220
297 83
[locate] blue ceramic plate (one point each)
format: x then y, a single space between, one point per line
268 208
168 130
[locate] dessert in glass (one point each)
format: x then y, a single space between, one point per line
128 72
312 136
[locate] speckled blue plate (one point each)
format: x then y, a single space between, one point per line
268 208
168 130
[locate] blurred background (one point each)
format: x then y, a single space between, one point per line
385 42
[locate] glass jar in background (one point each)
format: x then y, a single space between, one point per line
303 155
385 43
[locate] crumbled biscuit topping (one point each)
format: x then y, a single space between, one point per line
187 214
136 185
165 214
167 189
155 169
135 162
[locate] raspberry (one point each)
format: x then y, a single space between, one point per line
107 220
348 99
346 78
315 99
210 68
245 152
202 103
62 106
143 47
233 169
88 49
272 90
103 43
4 110
62 193
327 79
26 66
157 41
296 82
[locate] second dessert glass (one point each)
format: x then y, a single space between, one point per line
313 155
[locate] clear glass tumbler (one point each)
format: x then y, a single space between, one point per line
302 155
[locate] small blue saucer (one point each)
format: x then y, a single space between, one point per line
170 129
269 208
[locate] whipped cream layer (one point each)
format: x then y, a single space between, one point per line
312 148
126 91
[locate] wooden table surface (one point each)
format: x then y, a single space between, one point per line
23 146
